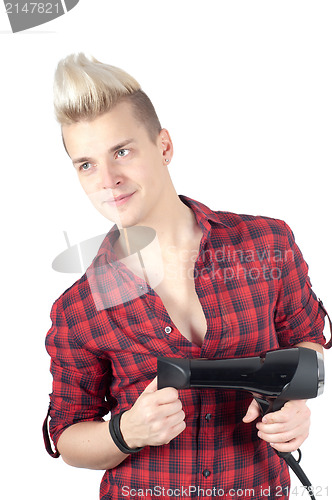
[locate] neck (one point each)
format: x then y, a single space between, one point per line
175 226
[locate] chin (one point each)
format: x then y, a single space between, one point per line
120 221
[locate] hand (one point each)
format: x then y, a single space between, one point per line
285 429
155 419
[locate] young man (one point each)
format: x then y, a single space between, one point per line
231 286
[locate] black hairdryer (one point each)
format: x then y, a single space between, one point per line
272 379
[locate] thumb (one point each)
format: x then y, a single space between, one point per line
253 412
152 387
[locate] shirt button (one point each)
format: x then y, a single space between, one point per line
206 473
208 417
168 329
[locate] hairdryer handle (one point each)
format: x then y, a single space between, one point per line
269 404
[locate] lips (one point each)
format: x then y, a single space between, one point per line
119 200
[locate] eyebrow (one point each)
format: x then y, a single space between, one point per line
118 146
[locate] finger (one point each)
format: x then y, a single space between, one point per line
291 410
175 419
296 426
283 437
277 417
164 430
300 433
176 430
163 396
162 411
152 387
290 446
253 412
279 427
166 396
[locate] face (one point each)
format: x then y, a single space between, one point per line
122 171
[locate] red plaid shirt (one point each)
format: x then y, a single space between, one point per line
253 286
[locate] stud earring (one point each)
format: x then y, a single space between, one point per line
166 160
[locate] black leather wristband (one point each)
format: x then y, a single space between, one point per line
114 428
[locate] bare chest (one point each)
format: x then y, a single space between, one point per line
170 273
178 294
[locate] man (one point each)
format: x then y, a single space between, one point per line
240 289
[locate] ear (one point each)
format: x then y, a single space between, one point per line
166 146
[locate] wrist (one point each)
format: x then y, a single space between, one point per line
115 431
128 437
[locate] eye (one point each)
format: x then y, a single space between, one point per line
122 153
85 166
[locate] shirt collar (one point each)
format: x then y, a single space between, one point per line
203 213
107 246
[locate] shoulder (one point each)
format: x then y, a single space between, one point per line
245 224
70 304
77 301
253 226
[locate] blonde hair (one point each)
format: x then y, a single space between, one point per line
85 88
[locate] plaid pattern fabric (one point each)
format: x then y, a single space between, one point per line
253 286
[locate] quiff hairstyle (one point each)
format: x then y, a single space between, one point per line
85 88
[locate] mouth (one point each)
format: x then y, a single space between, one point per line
119 200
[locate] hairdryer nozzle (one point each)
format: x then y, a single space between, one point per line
321 374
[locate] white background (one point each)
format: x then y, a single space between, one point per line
244 87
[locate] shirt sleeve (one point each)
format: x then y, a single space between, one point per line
81 381
299 316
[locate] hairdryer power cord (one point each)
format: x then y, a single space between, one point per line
297 469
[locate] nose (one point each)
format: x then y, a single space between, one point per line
109 177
